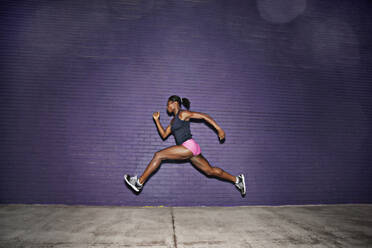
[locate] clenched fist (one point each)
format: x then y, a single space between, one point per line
156 115
221 134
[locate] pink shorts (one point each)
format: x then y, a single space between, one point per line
192 146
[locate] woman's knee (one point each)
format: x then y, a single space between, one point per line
158 155
213 171
217 171
209 172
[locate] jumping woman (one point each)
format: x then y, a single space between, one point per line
186 147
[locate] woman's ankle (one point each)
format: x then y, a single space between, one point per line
139 181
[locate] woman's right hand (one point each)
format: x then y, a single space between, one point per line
156 115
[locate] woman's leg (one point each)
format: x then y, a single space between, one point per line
202 163
172 152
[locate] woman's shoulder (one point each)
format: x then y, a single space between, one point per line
184 115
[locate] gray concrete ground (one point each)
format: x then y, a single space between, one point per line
252 226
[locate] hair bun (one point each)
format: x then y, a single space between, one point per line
185 101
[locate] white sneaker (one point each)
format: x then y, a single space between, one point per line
133 182
241 184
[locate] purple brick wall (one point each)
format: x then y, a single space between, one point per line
288 81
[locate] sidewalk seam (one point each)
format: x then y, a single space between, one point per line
174 229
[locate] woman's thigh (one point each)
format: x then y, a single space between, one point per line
174 152
201 163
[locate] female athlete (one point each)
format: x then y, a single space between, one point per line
186 147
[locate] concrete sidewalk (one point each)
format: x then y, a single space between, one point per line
285 226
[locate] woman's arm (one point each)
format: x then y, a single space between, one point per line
207 118
167 132
198 115
163 133
156 116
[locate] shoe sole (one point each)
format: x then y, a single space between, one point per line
243 180
133 187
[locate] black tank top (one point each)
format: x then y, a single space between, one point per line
181 129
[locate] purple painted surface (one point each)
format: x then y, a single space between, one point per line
289 83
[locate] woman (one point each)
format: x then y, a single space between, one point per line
186 147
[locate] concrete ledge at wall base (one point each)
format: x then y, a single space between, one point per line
201 206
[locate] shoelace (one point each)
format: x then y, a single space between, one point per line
133 180
239 185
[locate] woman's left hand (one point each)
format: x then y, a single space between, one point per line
221 134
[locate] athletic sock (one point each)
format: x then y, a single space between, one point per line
138 182
237 180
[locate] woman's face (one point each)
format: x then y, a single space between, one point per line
170 106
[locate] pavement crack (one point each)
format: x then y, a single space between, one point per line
174 229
